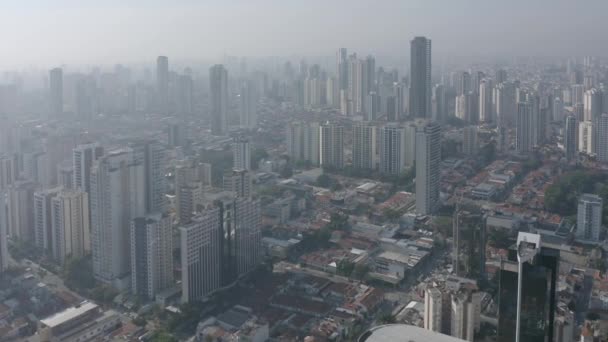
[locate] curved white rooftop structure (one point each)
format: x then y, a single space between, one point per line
404 333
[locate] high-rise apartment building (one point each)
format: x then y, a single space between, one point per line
331 146
571 137
420 77
241 154
342 68
20 199
43 232
601 145
3 234
83 157
219 246
117 196
586 137
428 159
185 95
9 170
56 92
239 182
303 142
248 102
589 217
433 309
151 154
592 104
151 255
162 84
364 146
218 87
70 225
486 113
392 149
469 140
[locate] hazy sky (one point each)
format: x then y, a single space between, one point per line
53 32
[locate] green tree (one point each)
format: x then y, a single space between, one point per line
345 268
78 273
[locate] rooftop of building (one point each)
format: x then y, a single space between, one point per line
403 332
68 314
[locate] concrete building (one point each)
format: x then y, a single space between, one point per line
465 315
364 146
303 142
218 96
589 217
84 322
331 145
239 182
241 154
43 232
571 137
219 246
151 255
399 332
56 92
200 242
20 197
392 149
151 154
420 77
428 159
3 234
9 170
586 137
601 149
162 84
469 141
117 197
83 157
248 103
433 309
592 103
70 225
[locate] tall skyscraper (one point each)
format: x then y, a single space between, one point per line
525 127
433 309
586 137
21 210
83 158
358 83
9 170
331 147
428 160
151 154
526 307
571 137
342 68
486 113
162 84
220 245
185 95
56 92
70 225
589 217
506 105
440 103
117 196
420 77
3 234
364 146
392 149
592 104
469 140
43 231
218 97
151 255
201 255
241 153
465 309
601 145
248 102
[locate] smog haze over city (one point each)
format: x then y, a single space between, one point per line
277 171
